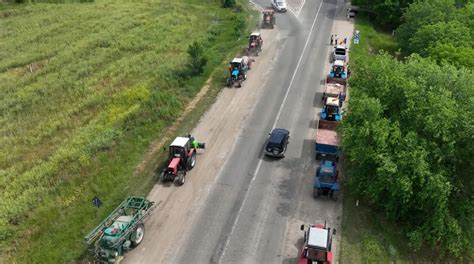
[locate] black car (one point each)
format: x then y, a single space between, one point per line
277 142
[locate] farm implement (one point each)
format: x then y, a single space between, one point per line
122 230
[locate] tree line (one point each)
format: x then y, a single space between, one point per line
408 136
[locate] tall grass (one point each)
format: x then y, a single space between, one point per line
85 88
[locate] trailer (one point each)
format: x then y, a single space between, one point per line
122 230
335 88
327 141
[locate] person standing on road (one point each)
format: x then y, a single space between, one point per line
335 38
332 39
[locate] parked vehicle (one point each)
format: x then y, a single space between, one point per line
255 44
327 140
268 19
339 53
335 88
279 5
122 230
326 181
338 70
277 142
182 158
332 109
317 244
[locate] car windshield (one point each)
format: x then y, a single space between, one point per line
340 52
281 3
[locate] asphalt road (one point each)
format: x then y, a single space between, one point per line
253 211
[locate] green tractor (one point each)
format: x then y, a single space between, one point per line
122 230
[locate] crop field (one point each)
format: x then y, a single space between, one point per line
85 88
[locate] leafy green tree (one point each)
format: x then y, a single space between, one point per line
228 3
386 12
423 13
408 139
448 53
427 36
197 58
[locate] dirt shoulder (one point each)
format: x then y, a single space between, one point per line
218 128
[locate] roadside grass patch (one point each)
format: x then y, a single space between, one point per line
86 88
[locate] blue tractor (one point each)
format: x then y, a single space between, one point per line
326 180
338 70
332 109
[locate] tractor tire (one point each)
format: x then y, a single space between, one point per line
228 82
162 177
317 156
138 235
192 161
181 179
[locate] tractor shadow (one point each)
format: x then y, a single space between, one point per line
317 100
298 244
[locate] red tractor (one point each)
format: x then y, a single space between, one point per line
317 245
182 158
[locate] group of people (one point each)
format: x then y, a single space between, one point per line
335 40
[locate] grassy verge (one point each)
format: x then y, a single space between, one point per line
367 237
86 88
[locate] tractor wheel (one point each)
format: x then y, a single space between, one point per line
317 156
192 161
181 179
315 193
162 177
138 235
240 83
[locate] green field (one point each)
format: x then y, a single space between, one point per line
85 89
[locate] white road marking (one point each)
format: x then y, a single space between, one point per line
257 169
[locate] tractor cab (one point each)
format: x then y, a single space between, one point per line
317 245
326 180
179 149
256 38
239 67
268 18
338 70
332 109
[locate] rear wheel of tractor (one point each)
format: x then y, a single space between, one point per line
192 161
162 177
317 156
139 234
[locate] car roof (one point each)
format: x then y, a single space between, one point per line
340 47
237 60
180 141
318 237
278 134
